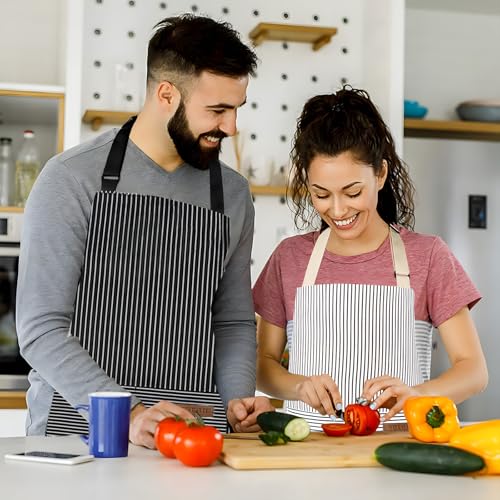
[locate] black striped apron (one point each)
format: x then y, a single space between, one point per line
354 332
143 307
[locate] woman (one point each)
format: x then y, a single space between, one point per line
357 300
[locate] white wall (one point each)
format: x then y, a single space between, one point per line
453 57
30 32
383 60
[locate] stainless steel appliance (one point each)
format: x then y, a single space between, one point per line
13 368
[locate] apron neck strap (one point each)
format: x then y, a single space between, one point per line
316 258
399 260
112 170
216 189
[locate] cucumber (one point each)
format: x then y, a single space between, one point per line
428 458
273 438
294 428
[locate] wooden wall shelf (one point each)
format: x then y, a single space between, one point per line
12 209
98 117
441 129
12 400
268 190
317 35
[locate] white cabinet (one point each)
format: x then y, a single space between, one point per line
12 423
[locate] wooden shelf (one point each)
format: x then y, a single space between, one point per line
98 117
317 35
12 400
12 209
440 129
268 190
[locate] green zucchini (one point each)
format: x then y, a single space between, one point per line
428 458
294 428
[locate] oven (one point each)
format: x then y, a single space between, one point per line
13 368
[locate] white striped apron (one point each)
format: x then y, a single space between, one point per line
356 332
143 307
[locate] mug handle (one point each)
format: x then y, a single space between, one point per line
83 437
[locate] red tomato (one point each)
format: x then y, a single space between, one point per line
198 445
363 419
336 429
165 433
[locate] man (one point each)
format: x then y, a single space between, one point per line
134 268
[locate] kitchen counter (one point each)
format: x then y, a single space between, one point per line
146 474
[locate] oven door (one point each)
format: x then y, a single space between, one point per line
13 368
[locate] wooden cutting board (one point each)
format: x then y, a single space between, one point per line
246 451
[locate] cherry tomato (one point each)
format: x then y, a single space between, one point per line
336 430
165 433
363 419
198 445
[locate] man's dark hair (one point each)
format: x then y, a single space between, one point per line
185 46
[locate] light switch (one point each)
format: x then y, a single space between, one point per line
477 211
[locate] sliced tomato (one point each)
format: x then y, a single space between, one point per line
363 419
336 430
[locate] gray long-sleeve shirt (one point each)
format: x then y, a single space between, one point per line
52 252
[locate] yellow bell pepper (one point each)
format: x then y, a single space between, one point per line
431 419
483 439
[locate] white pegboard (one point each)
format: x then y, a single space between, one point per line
287 75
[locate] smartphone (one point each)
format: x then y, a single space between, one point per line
50 457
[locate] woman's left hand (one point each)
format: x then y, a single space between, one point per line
394 393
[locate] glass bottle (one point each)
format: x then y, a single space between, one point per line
27 168
7 172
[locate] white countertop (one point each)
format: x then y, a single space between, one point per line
146 474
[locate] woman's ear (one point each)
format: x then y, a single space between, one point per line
382 175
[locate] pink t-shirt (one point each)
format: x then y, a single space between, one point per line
440 284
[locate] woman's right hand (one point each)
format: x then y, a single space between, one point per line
320 392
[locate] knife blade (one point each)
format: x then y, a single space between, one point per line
252 437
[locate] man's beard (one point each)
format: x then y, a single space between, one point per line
187 145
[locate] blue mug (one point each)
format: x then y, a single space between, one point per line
109 420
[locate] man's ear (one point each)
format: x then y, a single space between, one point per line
382 176
168 96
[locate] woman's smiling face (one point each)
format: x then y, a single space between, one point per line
344 192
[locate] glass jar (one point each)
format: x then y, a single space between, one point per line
27 167
7 173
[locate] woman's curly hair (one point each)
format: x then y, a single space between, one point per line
348 120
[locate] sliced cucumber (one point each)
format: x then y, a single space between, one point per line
294 428
428 458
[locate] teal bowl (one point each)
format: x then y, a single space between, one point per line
412 109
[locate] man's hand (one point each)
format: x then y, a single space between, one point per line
242 413
143 421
